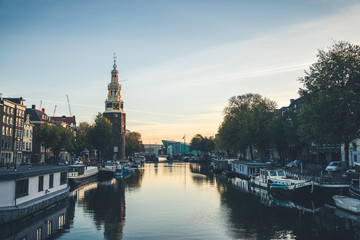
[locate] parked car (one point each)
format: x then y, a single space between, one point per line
350 173
335 166
63 162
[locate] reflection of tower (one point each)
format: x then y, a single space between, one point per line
115 113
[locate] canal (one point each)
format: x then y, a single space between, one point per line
184 201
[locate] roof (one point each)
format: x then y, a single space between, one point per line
26 171
35 115
16 100
250 163
63 119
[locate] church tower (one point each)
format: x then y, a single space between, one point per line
115 113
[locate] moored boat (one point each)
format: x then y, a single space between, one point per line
31 189
276 181
81 174
347 203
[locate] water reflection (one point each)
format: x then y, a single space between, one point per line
281 218
50 223
179 201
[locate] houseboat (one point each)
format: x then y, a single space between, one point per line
246 169
27 190
347 203
81 174
276 181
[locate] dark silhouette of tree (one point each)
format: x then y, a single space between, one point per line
330 109
100 135
133 143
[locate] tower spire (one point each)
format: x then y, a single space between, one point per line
115 61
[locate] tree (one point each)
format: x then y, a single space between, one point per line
202 144
133 143
46 137
330 110
284 135
100 134
247 124
82 138
55 137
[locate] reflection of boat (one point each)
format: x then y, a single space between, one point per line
81 174
354 189
126 169
277 182
331 187
29 190
347 203
49 224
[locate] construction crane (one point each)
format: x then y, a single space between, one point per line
54 110
69 105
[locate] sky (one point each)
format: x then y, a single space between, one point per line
179 61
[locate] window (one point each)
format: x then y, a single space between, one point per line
63 178
41 183
22 188
49 227
51 181
62 221
30 146
39 233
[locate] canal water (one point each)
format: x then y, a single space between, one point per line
183 201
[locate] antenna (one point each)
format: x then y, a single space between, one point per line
54 110
40 104
69 105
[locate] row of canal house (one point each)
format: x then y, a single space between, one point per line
322 153
18 124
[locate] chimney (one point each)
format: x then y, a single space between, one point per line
1 97
43 110
33 106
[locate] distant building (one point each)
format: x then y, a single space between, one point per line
38 118
177 148
153 149
12 130
27 139
114 111
66 122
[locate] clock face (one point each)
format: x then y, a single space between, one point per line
116 106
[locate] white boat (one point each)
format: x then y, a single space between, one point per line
276 181
27 190
81 174
347 203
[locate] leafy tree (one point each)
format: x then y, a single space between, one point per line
100 135
82 139
330 110
196 142
133 143
285 137
65 139
46 137
247 124
203 144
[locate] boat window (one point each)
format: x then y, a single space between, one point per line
51 181
63 178
41 184
272 173
281 173
22 188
